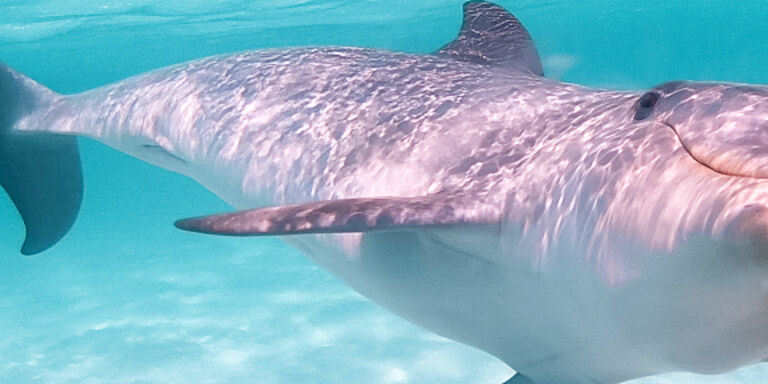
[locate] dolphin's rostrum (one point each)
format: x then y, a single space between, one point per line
580 235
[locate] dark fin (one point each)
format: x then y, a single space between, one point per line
491 35
39 171
347 215
519 379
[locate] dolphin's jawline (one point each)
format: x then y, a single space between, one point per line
703 163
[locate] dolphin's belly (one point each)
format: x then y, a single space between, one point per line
539 322
562 323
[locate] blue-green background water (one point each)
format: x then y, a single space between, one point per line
125 298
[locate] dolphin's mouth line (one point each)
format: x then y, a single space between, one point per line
696 159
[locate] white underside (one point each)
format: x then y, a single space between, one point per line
557 323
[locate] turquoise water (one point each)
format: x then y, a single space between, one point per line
125 298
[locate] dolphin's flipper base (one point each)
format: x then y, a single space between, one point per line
346 215
519 379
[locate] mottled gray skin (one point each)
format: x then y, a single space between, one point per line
600 238
313 122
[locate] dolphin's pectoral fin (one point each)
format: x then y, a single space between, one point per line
519 379
491 35
347 215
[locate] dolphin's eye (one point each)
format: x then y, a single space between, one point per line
645 105
649 100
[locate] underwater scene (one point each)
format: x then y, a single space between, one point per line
125 297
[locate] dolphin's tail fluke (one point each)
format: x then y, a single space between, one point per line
39 171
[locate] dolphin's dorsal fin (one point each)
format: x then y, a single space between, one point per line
493 36
346 215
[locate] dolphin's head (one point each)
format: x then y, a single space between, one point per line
704 200
724 192
722 126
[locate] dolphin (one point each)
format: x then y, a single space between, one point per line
579 235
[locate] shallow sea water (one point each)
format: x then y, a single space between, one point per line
126 298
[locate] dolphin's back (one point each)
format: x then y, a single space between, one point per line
311 123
